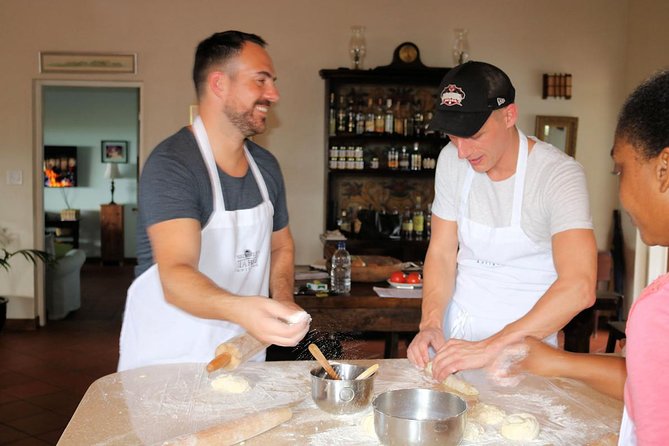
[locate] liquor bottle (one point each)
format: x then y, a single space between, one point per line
340 270
369 116
408 120
332 122
393 159
389 117
350 115
426 123
379 118
341 116
344 223
407 224
418 119
404 159
418 220
360 119
428 222
416 158
398 126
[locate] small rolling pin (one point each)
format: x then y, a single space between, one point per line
235 431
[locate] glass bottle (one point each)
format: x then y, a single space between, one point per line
340 270
341 116
398 126
460 46
418 119
418 220
407 224
404 159
350 115
428 221
389 118
357 46
360 119
369 116
416 158
332 122
379 117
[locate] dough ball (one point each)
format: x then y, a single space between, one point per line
520 427
453 383
487 414
367 424
297 317
230 384
473 431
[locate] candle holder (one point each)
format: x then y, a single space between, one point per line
460 46
356 46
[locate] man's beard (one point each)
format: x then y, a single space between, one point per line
245 121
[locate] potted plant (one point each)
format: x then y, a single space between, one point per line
31 255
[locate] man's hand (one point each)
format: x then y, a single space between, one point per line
418 351
271 321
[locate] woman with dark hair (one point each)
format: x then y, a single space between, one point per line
641 161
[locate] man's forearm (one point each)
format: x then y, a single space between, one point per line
282 274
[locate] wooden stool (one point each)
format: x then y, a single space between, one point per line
616 332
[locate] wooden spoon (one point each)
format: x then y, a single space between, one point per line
316 352
369 372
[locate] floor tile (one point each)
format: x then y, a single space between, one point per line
8 434
18 409
31 388
39 424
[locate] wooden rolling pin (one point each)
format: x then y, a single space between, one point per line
232 432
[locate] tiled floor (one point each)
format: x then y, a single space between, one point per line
44 373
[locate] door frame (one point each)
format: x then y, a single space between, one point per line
38 160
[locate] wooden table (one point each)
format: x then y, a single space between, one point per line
364 310
150 405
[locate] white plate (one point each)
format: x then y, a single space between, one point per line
405 286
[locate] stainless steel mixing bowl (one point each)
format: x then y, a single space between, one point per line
343 396
413 417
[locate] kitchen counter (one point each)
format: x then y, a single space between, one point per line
152 404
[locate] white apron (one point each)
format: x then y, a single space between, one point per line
501 272
234 253
627 436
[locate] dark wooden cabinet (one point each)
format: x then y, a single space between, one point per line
360 173
111 233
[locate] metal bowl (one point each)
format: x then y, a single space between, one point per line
413 417
343 396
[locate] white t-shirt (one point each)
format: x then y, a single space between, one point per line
555 198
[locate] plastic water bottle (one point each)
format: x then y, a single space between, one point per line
340 271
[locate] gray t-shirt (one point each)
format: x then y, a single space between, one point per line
175 184
555 198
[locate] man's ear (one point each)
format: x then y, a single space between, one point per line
217 82
510 115
662 170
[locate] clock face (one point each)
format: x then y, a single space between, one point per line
408 53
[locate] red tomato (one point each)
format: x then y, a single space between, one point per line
397 277
414 278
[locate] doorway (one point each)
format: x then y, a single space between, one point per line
87 115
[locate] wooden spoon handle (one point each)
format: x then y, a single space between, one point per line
316 352
369 372
219 361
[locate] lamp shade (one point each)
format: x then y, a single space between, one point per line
112 171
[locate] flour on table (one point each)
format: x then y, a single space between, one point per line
520 427
367 424
230 384
473 431
454 383
487 414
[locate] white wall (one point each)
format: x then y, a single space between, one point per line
524 37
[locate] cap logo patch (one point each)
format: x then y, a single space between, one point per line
452 95
500 101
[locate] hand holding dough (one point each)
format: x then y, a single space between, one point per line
453 383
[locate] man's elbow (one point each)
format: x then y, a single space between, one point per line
584 292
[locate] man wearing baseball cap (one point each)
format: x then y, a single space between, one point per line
512 252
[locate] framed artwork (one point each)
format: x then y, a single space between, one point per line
54 62
114 151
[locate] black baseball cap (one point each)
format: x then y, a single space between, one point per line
468 94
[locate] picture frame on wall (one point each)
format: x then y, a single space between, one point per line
58 62
114 151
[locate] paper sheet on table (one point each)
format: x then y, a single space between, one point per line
398 292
